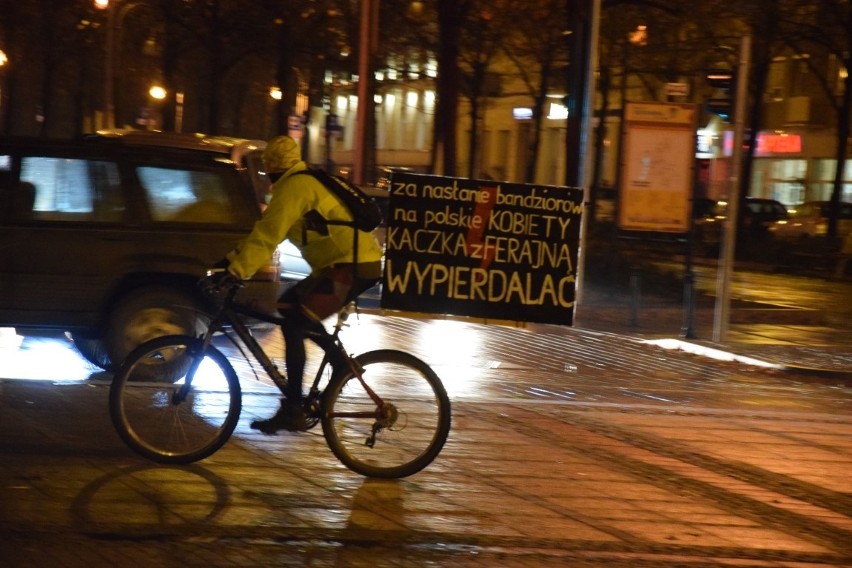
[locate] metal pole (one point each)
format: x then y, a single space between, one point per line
593 24
635 295
726 258
3 60
686 329
364 54
178 112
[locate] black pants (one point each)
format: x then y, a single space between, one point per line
312 300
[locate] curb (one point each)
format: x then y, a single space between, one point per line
722 355
818 372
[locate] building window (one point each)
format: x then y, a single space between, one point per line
823 180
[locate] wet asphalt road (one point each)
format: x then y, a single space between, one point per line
576 447
570 447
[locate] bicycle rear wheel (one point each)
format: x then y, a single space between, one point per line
400 436
175 423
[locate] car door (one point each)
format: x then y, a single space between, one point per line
12 209
61 252
195 213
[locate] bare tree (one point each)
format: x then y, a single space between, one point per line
824 25
479 47
534 32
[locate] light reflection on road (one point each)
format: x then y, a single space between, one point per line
488 363
48 356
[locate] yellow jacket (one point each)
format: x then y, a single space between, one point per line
292 198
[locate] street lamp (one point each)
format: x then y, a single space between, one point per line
154 118
157 92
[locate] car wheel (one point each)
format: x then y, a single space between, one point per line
92 349
149 313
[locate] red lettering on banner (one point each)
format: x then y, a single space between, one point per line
481 215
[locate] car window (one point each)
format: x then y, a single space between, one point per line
65 189
259 179
769 210
186 196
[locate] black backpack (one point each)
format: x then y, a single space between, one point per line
365 211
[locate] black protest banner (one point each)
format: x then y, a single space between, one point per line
482 249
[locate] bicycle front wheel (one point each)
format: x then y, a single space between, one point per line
180 422
398 433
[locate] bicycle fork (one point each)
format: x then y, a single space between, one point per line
196 353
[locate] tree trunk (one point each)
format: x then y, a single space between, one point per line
44 111
450 17
171 53
475 117
600 137
286 79
840 153
762 41
538 120
214 54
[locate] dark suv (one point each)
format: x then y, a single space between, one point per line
107 236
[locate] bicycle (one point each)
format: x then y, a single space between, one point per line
384 413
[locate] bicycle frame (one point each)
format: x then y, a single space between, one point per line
230 314
407 426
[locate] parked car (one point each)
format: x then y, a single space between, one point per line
810 219
759 214
106 236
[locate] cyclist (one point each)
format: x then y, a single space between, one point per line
298 211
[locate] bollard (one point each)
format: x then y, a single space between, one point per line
635 295
686 330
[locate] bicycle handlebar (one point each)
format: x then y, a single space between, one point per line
211 287
213 290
